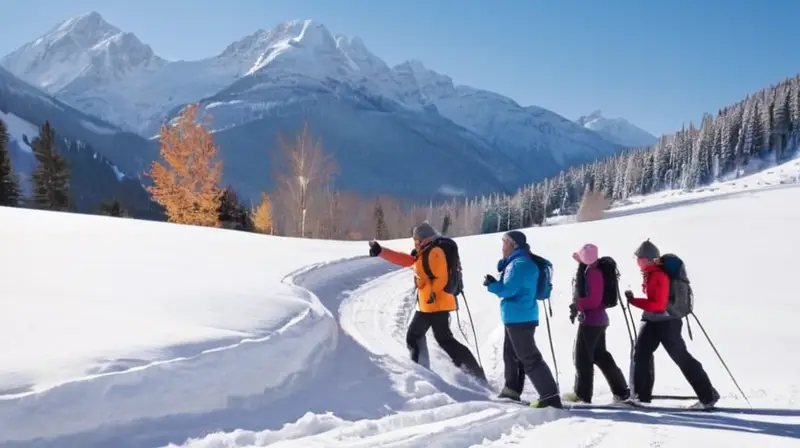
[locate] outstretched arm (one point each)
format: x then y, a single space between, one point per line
398 258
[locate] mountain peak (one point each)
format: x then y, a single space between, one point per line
617 130
89 26
81 46
596 115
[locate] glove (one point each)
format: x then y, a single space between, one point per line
414 253
488 280
374 249
431 298
573 312
629 295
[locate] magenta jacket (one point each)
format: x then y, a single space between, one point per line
591 308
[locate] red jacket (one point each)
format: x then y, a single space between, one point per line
656 288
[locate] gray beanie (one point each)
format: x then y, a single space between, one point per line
648 251
424 231
518 238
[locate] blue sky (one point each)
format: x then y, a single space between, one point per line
658 63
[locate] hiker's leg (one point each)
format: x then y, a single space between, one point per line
585 341
522 339
672 340
643 362
458 352
605 362
415 335
514 370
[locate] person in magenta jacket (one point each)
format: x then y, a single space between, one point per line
590 343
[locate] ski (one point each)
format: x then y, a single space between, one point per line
627 406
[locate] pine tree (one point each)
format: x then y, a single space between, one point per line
232 212
9 182
447 221
113 208
381 229
262 215
51 177
188 186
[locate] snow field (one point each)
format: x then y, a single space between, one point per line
739 254
108 321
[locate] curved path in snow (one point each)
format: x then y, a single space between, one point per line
371 377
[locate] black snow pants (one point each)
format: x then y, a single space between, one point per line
668 334
439 322
522 358
590 350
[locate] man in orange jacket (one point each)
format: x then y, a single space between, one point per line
435 304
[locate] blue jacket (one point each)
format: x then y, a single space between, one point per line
516 288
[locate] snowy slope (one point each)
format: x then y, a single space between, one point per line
617 130
147 319
315 355
130 152
94 178
270 71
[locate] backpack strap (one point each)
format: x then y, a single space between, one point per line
425 264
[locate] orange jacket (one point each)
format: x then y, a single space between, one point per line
425 286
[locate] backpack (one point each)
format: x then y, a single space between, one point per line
544 285
608 267
455 282
681 297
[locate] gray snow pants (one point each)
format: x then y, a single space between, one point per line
522 358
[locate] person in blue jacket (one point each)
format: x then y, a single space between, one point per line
519 311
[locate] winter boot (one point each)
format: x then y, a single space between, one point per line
572 397
622 399
552 402
709 405
510 394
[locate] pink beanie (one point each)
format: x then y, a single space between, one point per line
587 255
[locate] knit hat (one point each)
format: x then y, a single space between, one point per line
648 251
587 255
518 238
424 231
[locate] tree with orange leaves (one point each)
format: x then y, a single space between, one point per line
188 187
262 215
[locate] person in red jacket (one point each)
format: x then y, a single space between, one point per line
661 328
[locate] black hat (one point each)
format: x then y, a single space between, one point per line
518 238
648 251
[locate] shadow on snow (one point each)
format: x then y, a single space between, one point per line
715 421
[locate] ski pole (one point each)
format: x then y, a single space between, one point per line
720 359
552 350
627 323
633 325
471 324
674 397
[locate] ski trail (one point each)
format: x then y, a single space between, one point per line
369 357
400 403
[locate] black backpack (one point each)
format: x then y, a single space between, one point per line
455 282
681 297
608 267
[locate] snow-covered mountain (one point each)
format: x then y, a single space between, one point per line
273 80
94 178
617 130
